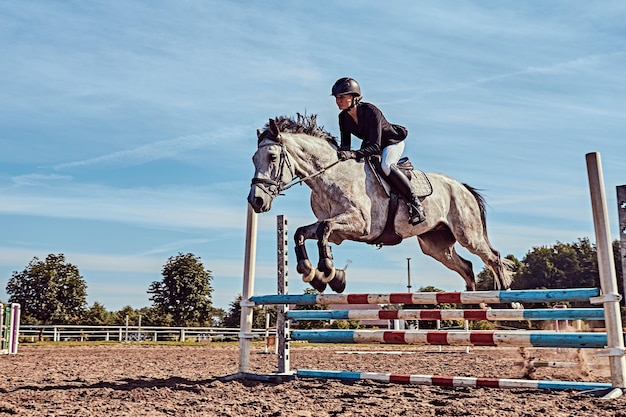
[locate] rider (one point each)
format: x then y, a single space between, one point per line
367 122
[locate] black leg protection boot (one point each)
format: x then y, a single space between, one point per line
402 185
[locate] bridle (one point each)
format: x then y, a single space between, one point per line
274 188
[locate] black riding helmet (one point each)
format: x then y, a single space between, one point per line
346 85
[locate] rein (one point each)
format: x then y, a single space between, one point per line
301 180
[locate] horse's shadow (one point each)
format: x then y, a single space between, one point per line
126 384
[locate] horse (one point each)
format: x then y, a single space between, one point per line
350 203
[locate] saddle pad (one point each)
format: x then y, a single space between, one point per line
421 184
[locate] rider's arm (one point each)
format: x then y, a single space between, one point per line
346 136
371 118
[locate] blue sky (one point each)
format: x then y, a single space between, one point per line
127 127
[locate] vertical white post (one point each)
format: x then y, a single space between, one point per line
4 332
14 329
606 266
267 332
621 214
282 323
245 326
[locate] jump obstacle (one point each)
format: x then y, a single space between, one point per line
611 342
10 319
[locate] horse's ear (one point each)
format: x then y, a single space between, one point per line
259 132
274 128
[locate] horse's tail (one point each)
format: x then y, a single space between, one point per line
504 277
482 205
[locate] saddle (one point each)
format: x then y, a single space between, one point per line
420 184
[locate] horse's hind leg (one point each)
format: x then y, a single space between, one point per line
500 267
439 244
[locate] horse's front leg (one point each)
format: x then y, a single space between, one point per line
325 272
325 261
304 265
349 225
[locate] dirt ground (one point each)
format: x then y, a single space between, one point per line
144 380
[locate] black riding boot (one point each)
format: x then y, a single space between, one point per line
401 183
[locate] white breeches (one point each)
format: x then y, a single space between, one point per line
391 155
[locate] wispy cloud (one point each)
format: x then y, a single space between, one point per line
580 64
157 150
170 148
38 179
169 207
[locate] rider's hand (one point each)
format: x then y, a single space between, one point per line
345 155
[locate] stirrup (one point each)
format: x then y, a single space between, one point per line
416 214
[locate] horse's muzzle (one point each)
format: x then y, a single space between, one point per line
259 199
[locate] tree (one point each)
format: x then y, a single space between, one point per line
218 317
152 316
49 292
233 317
97 315
127 311
184 292
563 265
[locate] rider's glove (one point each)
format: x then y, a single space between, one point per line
345 155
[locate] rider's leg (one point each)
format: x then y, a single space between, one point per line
401 183
389 158
391 155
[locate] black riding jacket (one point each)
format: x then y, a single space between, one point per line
373 129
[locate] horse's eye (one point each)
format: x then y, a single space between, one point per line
273 157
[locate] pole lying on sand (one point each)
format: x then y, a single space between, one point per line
451 381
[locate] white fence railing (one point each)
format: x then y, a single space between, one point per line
61 333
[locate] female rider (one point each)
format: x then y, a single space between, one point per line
367 122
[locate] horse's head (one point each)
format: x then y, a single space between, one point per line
273 169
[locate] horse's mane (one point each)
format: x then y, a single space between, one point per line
303 124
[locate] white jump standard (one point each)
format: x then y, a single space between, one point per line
10 320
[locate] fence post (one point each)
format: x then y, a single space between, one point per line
247 309
610 297
282 323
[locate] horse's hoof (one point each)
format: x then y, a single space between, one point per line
326 265
327 278
309 277
318 284
338 284
304 267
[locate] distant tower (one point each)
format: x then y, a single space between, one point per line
408 266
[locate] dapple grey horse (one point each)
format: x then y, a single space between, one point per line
350 203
